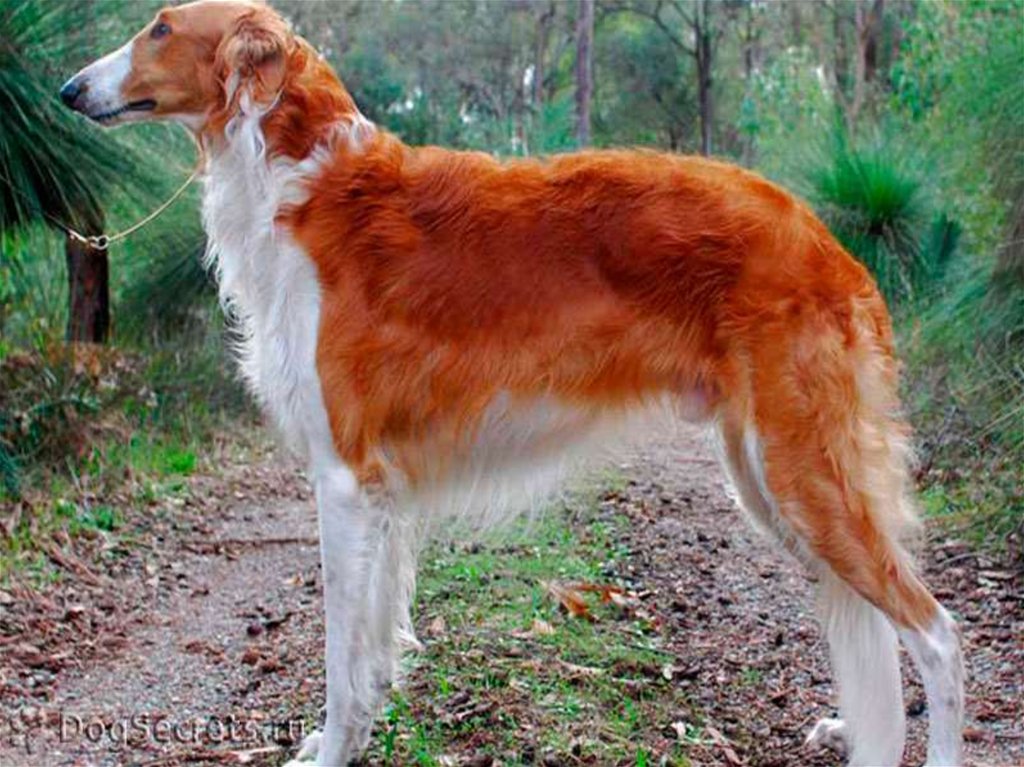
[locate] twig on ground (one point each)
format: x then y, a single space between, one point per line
73 565
213 547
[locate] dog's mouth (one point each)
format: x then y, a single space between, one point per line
144 105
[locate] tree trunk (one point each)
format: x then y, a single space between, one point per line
751 64
873 38
841 65
88 292
796 25
860 63
540 53
584 70
702 32
867 27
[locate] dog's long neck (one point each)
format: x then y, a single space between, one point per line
259 166
258 161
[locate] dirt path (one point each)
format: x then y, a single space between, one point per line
202 644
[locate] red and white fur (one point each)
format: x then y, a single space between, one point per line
438 334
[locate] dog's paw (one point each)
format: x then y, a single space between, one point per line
829 733
308 751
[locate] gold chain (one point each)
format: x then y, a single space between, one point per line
103 241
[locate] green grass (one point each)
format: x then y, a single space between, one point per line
93 452
589 687
986 507
140 472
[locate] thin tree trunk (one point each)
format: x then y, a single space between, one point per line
872 44
751 62
859 67
867 28
796 25
88 292
702 30
540 53
584 70
842 67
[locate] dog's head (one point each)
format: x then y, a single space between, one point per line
188 64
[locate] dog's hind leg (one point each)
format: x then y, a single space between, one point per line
935 648
823 457
861 641
883 585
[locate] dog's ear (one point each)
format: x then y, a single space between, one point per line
254 55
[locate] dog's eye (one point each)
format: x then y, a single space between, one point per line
162 29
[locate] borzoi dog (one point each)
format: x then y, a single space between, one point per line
434 329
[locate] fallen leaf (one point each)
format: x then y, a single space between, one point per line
541 628
570 599
607 592
720 740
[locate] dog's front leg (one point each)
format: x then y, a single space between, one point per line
353 537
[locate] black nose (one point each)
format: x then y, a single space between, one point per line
70 92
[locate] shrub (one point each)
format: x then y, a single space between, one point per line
63 403
874 200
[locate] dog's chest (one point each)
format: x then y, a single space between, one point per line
270 286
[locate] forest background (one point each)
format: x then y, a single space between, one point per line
902 123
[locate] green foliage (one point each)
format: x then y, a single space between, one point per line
57 405
51 164
787 111
967 353
99 518
645 97
957 88
181 462
56 167
873 199
930 195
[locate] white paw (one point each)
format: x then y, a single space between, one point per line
307 754
829 733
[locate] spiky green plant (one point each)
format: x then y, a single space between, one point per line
875 202
53 166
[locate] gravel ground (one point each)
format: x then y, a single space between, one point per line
208 618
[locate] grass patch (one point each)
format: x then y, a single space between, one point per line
502 659
129 476
986 507
90 438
